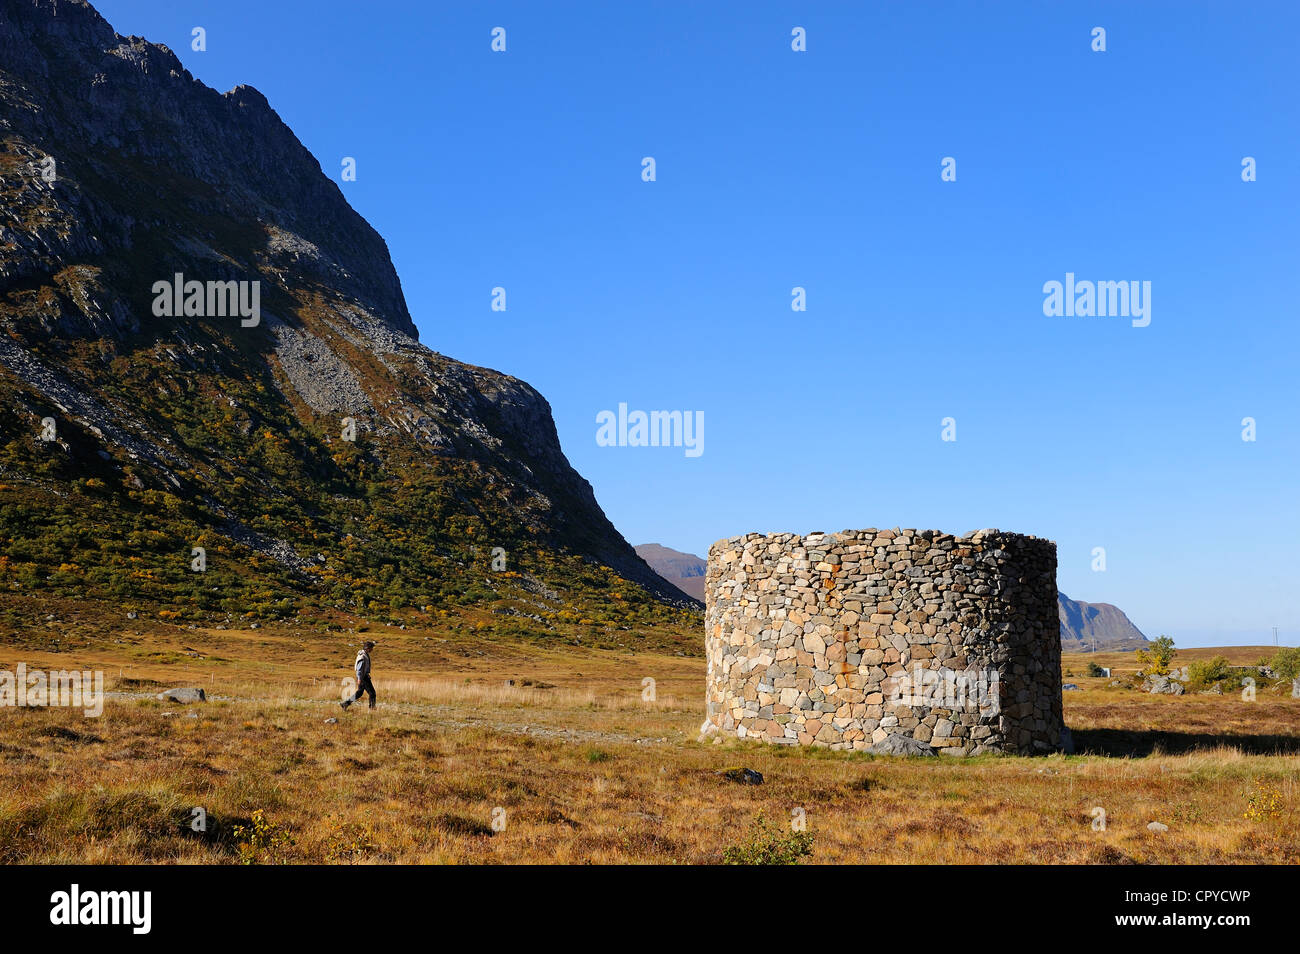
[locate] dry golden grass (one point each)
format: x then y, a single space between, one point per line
588 771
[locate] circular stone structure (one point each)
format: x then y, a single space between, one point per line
885 640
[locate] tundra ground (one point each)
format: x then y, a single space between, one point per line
578 762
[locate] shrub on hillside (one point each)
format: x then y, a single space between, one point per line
1204 673
1155 659
1286 663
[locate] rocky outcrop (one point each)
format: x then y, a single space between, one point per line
154 174
1163 684
111 109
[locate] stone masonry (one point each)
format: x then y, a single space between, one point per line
885 640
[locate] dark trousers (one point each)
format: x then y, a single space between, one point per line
364 685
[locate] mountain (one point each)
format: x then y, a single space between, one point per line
1100 626
683 570
310 445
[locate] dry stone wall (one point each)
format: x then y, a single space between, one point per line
885 640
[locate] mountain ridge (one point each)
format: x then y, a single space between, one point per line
684 570
1096 626
177 432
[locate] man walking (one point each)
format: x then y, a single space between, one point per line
362 666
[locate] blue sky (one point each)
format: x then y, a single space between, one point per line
821 169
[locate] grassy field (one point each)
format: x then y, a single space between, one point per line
573 763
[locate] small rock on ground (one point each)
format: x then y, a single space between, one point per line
745 776
183 695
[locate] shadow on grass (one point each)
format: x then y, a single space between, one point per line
1123 742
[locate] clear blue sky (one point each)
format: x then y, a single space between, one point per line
822 169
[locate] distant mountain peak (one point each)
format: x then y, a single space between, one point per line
1099 626
683 570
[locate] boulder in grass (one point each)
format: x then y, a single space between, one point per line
1155 684
1163 684
745 776
183 695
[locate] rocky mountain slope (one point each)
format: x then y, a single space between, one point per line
320 455
1099 626
683 570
